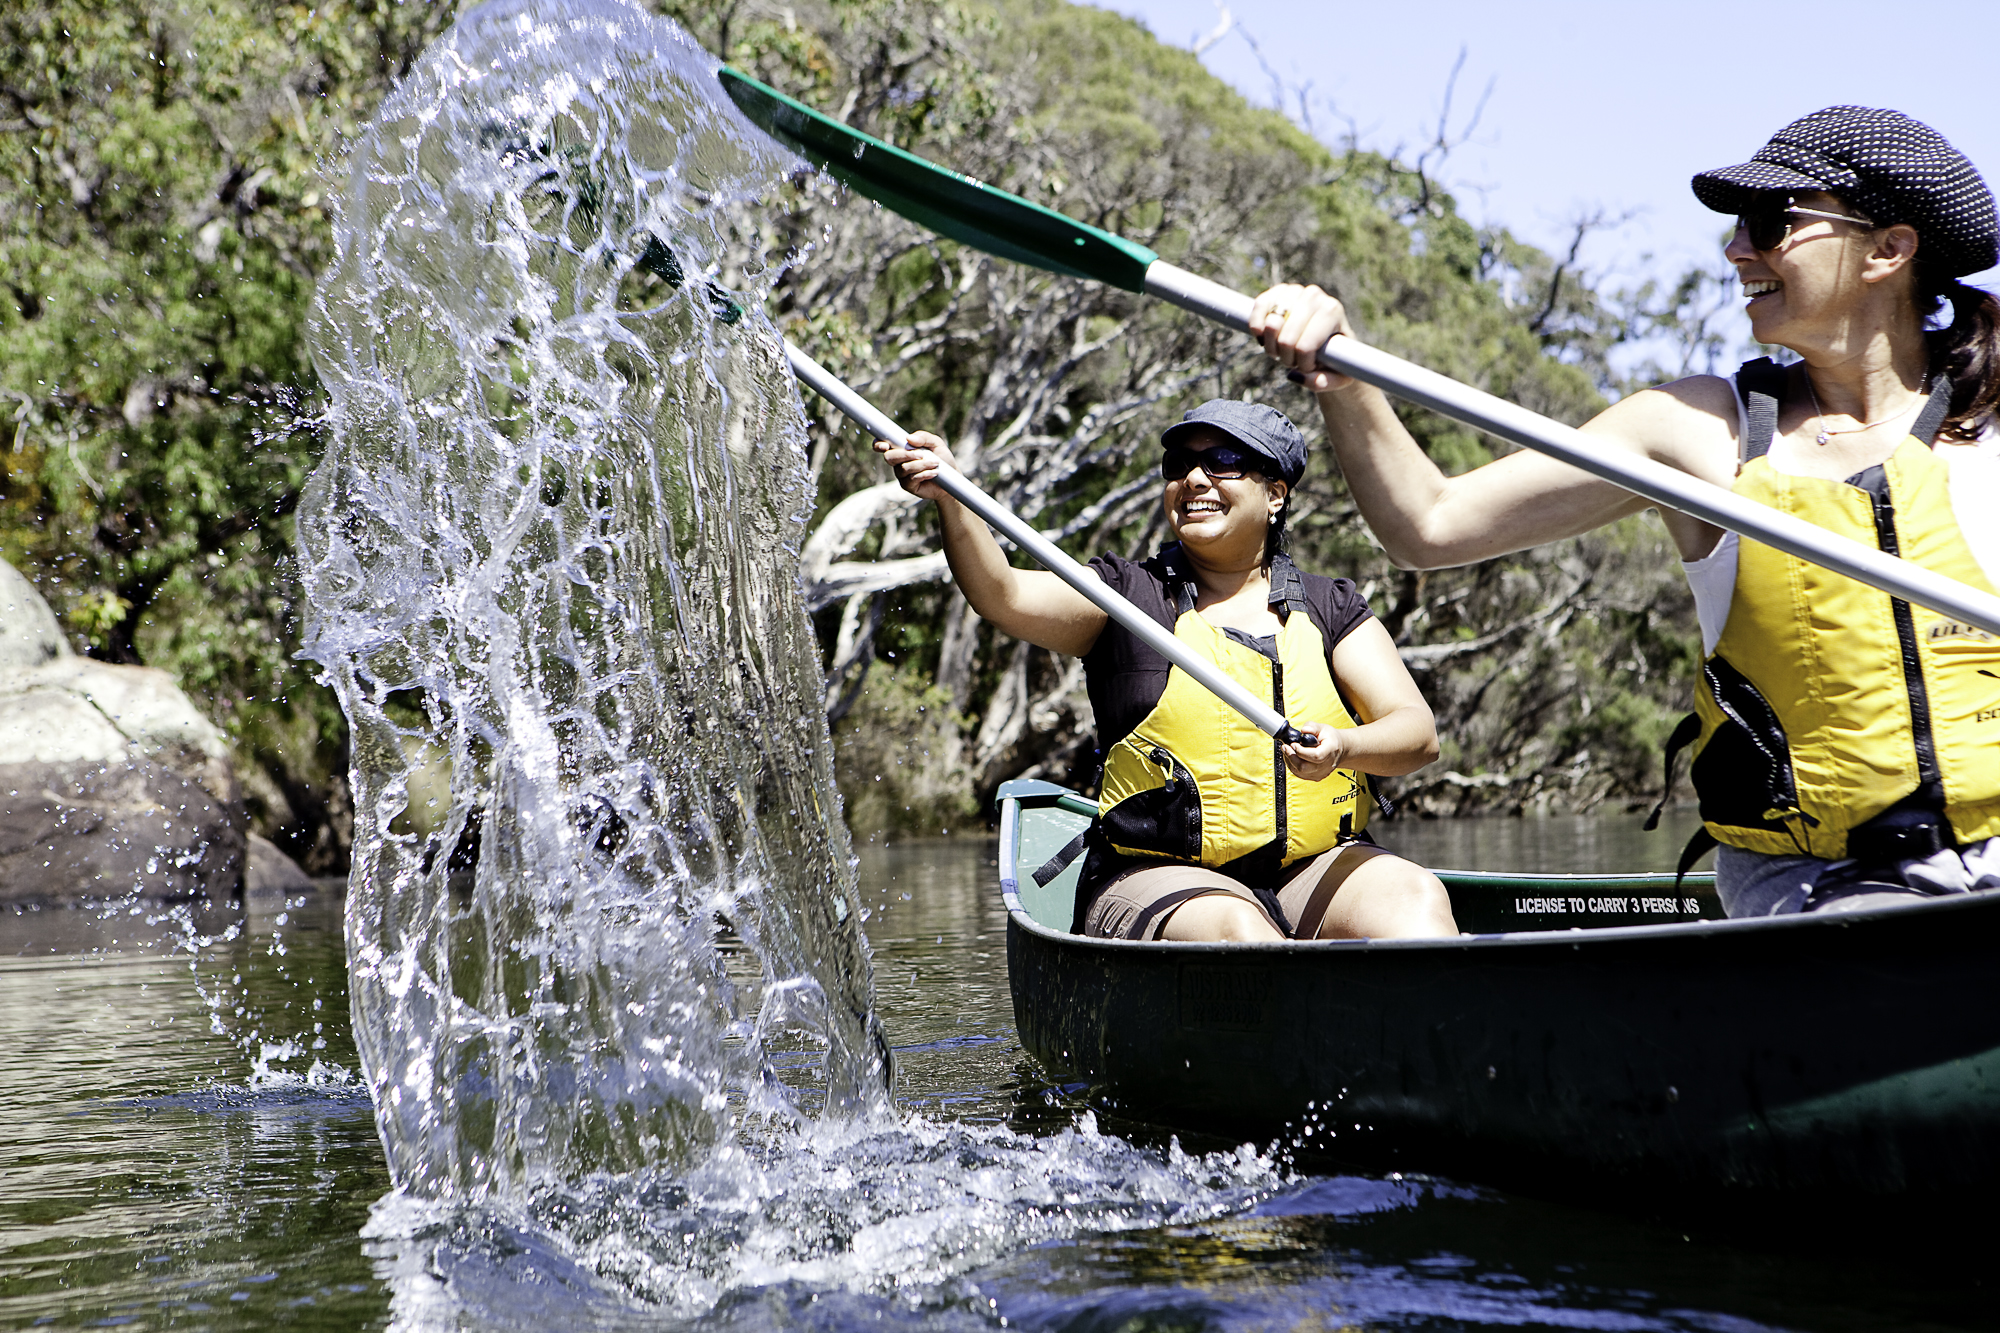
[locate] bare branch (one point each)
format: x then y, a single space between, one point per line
1220 31
851 578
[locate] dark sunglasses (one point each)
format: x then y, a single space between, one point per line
1771 226
1218 462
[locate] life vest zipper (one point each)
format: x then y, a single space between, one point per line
1177 774
1279 794
1929 779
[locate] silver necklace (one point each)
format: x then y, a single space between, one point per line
1819 415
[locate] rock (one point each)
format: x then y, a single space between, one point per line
29 633
112 830
74 710
271 871
111 783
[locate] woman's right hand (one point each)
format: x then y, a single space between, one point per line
917 468
1293 323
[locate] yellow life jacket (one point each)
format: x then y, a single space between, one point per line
1195 781
1826 702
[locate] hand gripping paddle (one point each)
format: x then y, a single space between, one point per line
1053 558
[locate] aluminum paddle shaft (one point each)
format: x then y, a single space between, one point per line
1641 476
1052 557
976 214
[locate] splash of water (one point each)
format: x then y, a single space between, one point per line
551 560
908 1214
551 554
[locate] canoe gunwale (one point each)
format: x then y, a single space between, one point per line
1569 937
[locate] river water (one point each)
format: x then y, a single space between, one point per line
171 1163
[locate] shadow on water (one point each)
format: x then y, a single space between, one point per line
178 1149
1608 842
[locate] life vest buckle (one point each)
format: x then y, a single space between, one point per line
1899 835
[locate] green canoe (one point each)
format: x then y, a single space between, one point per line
1607 1032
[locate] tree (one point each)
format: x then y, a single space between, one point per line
1053 391
160 231
163 224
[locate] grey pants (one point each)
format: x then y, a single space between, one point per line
1753 884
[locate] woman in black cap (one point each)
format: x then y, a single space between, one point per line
1847 744
1208 829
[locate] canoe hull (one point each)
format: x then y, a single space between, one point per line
1840 1056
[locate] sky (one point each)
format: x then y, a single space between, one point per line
1601 108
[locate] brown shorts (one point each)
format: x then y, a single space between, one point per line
1136 905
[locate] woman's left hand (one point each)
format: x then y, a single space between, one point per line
1315 762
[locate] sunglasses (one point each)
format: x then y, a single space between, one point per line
1218 462
1770 227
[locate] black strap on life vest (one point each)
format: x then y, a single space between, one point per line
1288 589
1058 863
1762 384
1684 736
1696 848
1168 903
1931 419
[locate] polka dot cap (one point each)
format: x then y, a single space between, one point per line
1886 166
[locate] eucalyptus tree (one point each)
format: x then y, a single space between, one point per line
1555 671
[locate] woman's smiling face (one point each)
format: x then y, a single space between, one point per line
1812 277
1210 515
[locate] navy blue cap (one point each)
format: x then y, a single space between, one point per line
1253 425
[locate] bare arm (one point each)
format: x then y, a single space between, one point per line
1029 604
1397 734
1426 520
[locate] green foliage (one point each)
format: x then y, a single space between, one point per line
1575 670
899 758
162 225
160 231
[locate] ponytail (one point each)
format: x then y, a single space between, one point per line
1966 352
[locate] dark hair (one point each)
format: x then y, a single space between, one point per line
1274 535
1966 351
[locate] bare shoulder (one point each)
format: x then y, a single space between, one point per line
1689 423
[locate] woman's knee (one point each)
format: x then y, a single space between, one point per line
1219 917
1421 902
1390 898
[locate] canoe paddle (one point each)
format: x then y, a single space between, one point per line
1053 558
976 214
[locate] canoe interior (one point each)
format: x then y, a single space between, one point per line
1046 818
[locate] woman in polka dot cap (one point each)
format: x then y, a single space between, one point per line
1846 744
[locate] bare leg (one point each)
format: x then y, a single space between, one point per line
1384 897
1219 916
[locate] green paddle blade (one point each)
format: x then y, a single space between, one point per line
947 203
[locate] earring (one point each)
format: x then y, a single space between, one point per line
1274 520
